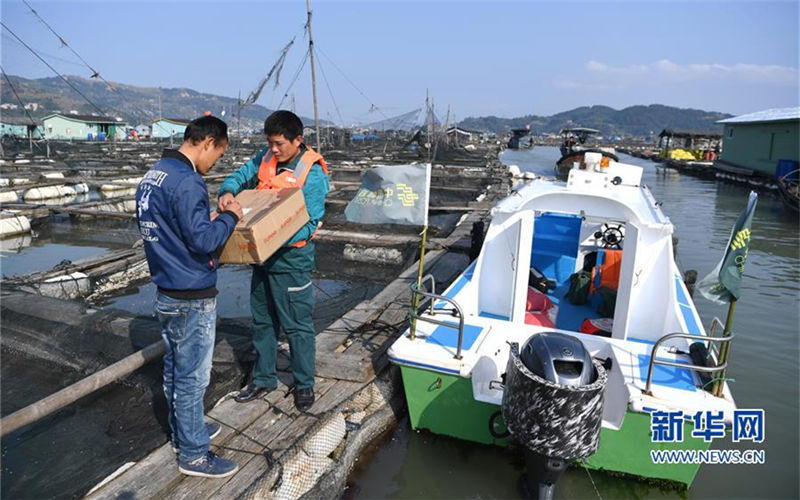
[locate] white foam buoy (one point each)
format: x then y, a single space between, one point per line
9 197
514 171
51 176
15 243
17 224
67 286
372 255
44 193
120 184
81 188
119 193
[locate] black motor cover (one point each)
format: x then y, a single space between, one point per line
561 418
559 358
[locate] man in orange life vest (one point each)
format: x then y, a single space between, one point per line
281 291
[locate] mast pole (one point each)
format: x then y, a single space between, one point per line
239 117
723 350
313 73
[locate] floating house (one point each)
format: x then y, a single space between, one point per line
19 127
164 128
758 142
143 130
459 135
82 127
689 144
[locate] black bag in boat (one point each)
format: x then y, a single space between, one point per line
539 281
579 284
606 307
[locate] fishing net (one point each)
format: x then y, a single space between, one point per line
299 468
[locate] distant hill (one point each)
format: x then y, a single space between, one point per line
138 105
135 105
636 121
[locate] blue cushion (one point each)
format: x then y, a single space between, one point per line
555 245
669 376
448 337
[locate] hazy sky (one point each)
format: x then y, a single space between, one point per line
479 58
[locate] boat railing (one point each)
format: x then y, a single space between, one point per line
432 297
714 345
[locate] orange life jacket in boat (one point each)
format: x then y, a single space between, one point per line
609 270
269 178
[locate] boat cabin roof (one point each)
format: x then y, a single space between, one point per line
593 194
576 130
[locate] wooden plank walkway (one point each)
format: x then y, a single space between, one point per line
275 446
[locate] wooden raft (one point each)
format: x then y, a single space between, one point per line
259 434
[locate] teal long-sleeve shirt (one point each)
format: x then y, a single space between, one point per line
314 190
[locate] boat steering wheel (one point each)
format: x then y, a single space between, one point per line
611 235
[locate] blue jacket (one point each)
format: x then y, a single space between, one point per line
288 258
180 240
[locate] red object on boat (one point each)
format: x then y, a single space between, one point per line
536 308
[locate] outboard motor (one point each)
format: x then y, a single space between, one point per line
553 405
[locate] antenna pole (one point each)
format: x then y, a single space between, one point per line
313 73
239 117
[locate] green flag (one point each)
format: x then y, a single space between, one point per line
722 284
392 194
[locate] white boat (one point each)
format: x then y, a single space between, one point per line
454 365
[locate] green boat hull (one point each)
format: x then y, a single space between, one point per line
444 404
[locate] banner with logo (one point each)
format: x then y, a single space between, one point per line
722 284
392 194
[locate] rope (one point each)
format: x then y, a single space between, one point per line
336 106
8 38
716 379
591 479
95 73
33 122
372 105
52 68
294 79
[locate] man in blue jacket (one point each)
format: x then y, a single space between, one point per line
281 292
181 242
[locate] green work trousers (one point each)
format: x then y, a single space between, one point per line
283 300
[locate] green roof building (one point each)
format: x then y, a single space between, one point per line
756 142
168 127
21 128
81 127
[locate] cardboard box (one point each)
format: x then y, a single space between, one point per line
271 217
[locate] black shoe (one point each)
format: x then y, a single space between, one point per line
251 392
303 398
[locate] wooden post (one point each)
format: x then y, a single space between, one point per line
313 75
88 385
415 301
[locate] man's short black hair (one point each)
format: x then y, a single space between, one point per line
206 126
285 123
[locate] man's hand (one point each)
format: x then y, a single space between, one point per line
224 201
234 207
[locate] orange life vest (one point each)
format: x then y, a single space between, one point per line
609 270
269 178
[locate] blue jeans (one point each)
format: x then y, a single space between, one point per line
188 328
